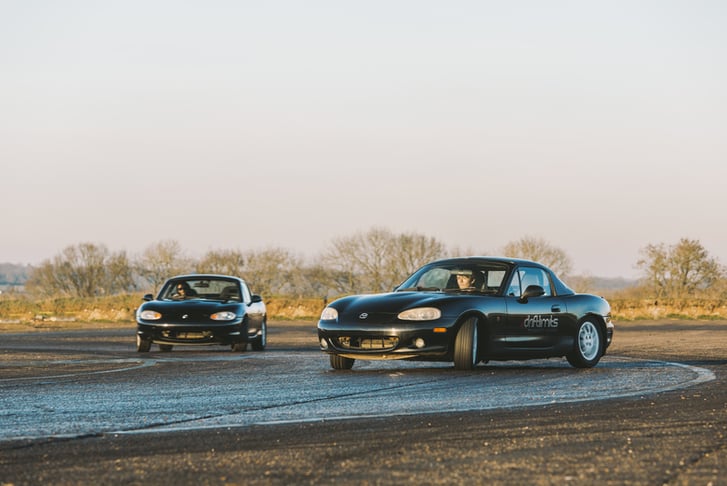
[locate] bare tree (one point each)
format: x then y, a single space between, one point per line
272 271
539 250
319 280
680 270
120 273
225 262
411 251
162 260
84 270
378 259
44 281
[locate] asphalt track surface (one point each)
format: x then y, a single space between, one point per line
84 407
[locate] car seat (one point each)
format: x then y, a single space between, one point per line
230 293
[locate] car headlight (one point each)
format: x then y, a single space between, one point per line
329 314
420 314
150 315
223 316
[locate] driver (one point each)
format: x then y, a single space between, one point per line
465 279
182 291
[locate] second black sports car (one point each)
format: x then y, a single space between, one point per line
469 310
202 309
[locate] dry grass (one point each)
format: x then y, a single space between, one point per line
650 309
18 313
22 313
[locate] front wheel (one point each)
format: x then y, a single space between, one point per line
142 345
262 340
588 347
341 363
465 345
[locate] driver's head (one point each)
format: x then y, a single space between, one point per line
182 288
465 279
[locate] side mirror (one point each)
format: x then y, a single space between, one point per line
255 298
532 291
148 297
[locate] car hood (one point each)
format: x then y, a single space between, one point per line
386 305
197 308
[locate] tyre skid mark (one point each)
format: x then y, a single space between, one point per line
152 427
44 380
445 376
702 376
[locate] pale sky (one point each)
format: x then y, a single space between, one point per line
600 127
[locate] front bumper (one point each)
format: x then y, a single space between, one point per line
193 334
609 331
427 340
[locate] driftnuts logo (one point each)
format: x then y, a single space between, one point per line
540 322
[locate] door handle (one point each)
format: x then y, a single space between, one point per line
555 308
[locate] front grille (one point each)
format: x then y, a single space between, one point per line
186 335
377 343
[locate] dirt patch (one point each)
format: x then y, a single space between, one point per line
676 340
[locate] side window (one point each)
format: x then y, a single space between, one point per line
493 279
246 297
514 289
526 276
546 284
535 276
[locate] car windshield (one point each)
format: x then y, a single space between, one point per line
211 289
451 277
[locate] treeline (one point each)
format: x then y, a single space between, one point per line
19 312
372 261
14 275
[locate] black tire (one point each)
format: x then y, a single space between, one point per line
588 346
465 345
142 345
341 363
261 341
239 347
165 347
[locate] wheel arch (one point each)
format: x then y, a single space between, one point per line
583 353
483 330
598 320
481 317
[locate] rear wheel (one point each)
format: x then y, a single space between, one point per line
341 363
262 340
588 347
142 345
465 345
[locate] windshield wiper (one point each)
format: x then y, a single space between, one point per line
420 289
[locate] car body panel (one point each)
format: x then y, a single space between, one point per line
509 326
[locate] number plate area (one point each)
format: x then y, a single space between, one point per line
364 343
191 335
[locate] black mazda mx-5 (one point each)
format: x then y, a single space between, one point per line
469 310
202 309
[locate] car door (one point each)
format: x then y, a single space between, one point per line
533 322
